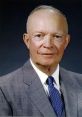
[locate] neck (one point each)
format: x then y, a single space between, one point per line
46 69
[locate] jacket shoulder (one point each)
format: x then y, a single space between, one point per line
12 76
15 76
72 76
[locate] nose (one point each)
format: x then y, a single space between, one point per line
48 42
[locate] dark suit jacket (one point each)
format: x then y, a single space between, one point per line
22 94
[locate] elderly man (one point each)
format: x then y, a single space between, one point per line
41 87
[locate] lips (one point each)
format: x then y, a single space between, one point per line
46 53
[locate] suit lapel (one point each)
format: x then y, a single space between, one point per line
40 99
38 95
70 94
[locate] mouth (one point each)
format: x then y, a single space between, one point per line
46 53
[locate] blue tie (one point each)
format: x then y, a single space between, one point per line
55 97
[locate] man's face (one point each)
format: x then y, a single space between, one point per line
46 38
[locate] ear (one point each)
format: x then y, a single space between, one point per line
26 39
67 40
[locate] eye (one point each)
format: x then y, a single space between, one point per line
58 36
38 35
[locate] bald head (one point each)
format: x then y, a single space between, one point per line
44 11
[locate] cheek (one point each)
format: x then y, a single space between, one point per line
34 46
60 48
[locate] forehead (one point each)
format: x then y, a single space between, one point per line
43 13
47 18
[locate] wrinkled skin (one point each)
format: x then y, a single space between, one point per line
46 39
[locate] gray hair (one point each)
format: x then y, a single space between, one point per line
45 7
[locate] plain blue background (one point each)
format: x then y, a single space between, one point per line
13 16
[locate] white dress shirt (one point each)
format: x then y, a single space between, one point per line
43 77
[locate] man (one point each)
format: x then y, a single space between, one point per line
26 92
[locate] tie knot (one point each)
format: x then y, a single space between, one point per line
50 80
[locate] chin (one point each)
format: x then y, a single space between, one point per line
46 63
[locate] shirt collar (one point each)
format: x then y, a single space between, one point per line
43 77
